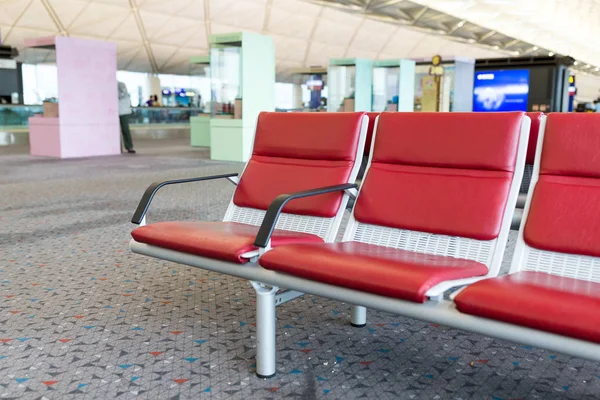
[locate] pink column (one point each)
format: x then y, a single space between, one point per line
88 122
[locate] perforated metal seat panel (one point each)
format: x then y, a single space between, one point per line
426 243
290 222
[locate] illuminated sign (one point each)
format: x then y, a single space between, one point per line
485 77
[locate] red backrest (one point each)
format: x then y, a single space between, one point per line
442 173
372 118
534 131
564 215
299 151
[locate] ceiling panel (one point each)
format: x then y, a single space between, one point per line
127 30
35 16
560 26
68 10
289 23
241 14
372 36
290 49
118 3
11 10
175 7
297 7
98 20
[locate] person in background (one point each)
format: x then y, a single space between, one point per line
124 113
597 105
155 102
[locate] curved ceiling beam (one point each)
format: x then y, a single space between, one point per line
385 4
417 17
55 18
207 22
486 36
265 27
144 36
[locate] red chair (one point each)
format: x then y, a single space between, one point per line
312 158
551 297
433 212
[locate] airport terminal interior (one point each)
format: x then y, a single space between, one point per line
312 199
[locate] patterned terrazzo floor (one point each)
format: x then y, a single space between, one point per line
83 318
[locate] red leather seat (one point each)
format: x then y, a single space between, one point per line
292 152
225 241
385 271
551 303
563 219
430 172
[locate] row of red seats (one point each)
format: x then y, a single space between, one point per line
433 213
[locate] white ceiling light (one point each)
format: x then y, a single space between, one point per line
597 69
551 53
535 48
587 66
460 24
576 63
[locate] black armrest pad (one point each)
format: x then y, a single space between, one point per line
142 207
274 210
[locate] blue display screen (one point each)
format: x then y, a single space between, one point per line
505 90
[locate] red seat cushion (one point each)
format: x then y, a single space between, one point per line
300 151
455 202
381 270
564 214
442 173
571 145
225 241
537 300
479 141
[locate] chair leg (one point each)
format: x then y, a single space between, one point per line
359 316
265 330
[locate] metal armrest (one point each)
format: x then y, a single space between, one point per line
274 210
142 207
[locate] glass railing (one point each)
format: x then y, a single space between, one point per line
163 115
17 116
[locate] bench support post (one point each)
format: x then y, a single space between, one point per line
358 317
265 330
286 295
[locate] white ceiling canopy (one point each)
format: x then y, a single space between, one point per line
567 27
161 35
509 28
